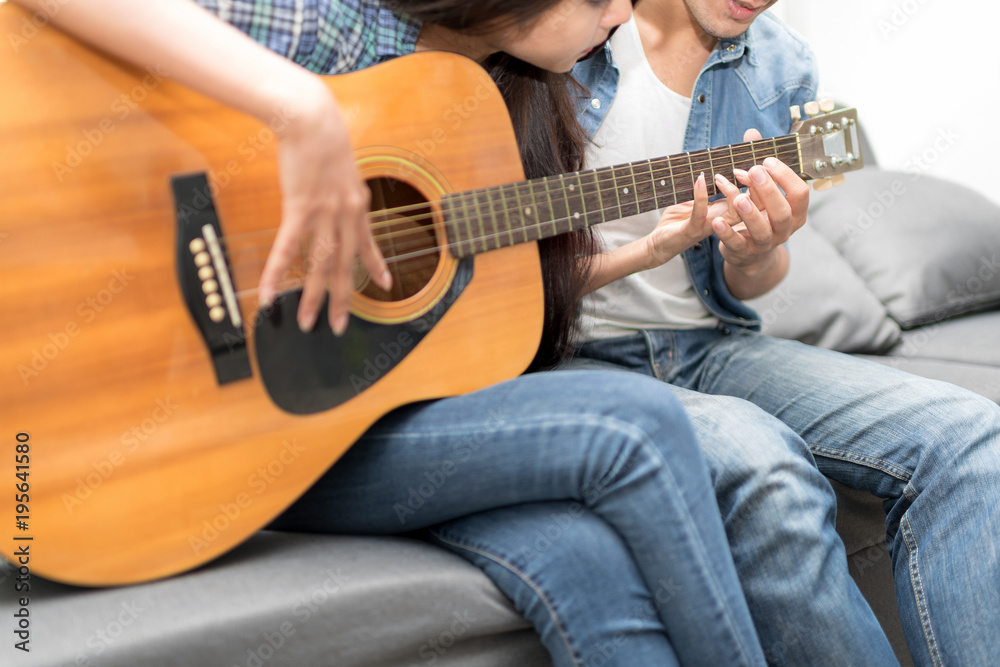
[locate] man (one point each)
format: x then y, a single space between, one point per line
692 74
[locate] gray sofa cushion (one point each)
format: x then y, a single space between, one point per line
287 599
970 340
928 248
823 302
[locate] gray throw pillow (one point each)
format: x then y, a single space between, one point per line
928 248
823 302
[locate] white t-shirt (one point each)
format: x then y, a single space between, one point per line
654 119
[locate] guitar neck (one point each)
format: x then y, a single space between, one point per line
504 215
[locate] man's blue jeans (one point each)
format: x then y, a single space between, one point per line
930 449
617 450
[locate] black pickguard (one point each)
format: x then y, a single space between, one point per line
306 373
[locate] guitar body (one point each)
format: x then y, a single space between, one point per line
143 463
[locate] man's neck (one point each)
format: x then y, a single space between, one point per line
673 42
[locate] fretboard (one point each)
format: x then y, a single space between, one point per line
491 218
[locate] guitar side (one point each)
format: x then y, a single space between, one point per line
141 464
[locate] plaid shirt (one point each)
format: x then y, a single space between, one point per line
325 36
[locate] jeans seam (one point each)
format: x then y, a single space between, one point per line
918 593
502 562
851 457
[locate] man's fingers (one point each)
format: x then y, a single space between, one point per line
796 189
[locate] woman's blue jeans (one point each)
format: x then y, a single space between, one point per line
764 409
619 453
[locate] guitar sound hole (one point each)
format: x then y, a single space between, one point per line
402 223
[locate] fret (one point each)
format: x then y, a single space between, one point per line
710 178
573 192
645 195
559 205
529 212
653 186
519 217
593 200
464 215
618 201
628 202
482 232
485 237
732 160
451 227
541 209
498 200
693 179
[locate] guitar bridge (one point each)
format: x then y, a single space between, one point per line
205 280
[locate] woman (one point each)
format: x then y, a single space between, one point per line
644 508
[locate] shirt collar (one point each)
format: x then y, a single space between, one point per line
728 50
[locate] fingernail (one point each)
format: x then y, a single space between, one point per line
720 179
385 282
757 175
265 299
340 325
701 177
740 173
771 163
743 203
307 322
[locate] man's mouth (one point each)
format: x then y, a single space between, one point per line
743 11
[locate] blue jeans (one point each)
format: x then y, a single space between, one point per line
930 449
617 445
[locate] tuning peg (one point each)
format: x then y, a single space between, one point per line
837 179
822 184
826 105
796 113
811 108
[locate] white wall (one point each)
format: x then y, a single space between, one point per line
924 75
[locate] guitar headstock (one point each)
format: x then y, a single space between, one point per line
829 145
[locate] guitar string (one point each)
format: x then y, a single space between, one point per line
422 231
703 160
430 251
408 230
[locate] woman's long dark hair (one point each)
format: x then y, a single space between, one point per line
551 141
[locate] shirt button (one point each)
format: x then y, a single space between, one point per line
730 47
705 292
701 98
596 103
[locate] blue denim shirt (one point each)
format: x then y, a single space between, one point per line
749 81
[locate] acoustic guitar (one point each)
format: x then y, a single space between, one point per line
155 418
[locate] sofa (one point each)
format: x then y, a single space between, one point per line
900 268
